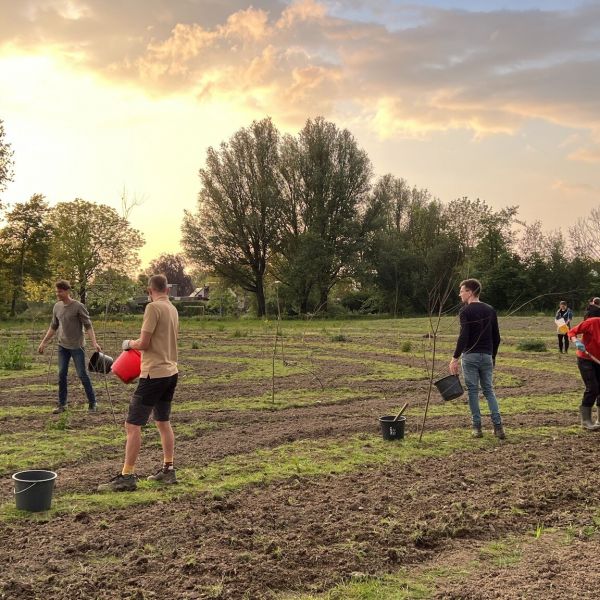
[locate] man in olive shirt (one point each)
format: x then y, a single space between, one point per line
70 318
156 387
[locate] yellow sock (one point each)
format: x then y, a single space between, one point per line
128 470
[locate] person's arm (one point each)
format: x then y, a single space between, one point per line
495 337
148 326
461 343
49 335
92 335
141 343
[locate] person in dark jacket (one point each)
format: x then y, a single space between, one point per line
478 343
593 309
566 314
588 353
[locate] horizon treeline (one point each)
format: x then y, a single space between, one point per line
300 225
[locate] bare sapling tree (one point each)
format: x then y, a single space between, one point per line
436 309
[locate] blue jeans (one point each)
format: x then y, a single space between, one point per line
478 369
78 355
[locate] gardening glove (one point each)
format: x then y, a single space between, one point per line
580 346
125 345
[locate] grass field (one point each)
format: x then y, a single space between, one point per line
287 490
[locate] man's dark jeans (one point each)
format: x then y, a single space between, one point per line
78 355
590 373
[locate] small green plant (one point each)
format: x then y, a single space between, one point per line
339 337
539 531
195 345
61 424
406 346
13 356
238 333
532 346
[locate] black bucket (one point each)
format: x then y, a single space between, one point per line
391 429
449 387
33 490
100 363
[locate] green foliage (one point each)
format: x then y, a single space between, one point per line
406 346
339 337
13 356
195 345
532 346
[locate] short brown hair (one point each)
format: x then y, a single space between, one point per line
473 285
158 283
562 303
62 284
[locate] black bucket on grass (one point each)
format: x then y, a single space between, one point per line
33 490
449 387
100 363
392 429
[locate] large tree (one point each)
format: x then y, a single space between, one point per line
24 245
6 162
91 238
326 179
238 216
172 266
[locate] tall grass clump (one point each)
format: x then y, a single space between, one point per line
532 346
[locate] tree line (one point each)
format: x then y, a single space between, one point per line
301 224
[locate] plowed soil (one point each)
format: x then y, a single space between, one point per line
491 519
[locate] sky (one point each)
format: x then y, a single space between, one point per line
498 100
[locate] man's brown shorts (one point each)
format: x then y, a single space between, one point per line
152 395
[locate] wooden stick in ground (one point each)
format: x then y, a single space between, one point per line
401 411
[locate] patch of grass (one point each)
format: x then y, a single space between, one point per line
238 333
195 345
532 346
406 346
14 356
340 337
309 457
502 553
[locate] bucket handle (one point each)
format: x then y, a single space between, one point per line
27 488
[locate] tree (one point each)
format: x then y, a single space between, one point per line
6 162
326 179
91 238
24 245
239 211
172 266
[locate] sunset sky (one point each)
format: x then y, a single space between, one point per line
492 99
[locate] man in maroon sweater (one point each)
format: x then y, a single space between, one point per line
588 351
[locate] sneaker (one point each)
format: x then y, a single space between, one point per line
120 483
476 432
499 432
60 408
92 408
163 476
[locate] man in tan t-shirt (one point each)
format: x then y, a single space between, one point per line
156 387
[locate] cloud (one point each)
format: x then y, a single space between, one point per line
574 189
426 70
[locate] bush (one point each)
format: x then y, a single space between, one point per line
195 345
406 346
13 356
340 337
532 346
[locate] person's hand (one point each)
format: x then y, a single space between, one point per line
453 366
41 348
580 346
97 346
126 345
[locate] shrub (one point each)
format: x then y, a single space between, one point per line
532 346
195 345
340 337
13 356
406 346
238 333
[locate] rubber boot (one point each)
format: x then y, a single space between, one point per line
586 418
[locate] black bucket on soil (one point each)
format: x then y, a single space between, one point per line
449 387
100 363
33 490
391 429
